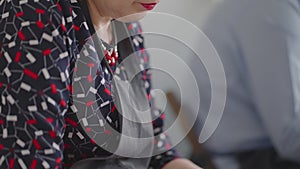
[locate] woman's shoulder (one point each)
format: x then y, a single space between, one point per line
134 28
135 31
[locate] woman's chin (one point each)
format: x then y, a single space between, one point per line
133 17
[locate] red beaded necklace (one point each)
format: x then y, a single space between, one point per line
111 55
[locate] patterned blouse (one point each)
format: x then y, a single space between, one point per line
40 42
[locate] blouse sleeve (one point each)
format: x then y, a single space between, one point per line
34 69
163 153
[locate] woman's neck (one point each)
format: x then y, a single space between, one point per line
101 23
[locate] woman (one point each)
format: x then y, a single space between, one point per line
41 52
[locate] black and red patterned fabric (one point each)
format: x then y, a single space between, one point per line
40 41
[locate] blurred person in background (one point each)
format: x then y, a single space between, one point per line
258 42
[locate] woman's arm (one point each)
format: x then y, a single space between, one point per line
34 84
181 163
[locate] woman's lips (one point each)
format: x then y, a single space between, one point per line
148 6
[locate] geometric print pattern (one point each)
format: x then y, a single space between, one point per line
40 42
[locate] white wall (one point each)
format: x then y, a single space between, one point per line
192 10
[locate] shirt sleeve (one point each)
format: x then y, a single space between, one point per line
34 66
163 153
270 42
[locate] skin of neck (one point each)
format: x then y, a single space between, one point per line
102 23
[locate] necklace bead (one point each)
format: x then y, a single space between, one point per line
111 56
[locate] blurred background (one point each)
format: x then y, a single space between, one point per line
194 11
246 68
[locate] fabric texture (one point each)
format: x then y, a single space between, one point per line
41 42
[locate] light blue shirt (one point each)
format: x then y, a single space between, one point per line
259 44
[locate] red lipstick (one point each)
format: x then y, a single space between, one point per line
148 6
